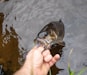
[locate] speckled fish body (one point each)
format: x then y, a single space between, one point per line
52 33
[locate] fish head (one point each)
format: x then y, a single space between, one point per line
50 34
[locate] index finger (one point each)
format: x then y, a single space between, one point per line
38 48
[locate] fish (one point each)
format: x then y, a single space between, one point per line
51 37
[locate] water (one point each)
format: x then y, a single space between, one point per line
23 19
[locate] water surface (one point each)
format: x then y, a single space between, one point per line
23 19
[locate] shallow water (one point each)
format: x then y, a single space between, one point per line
23 19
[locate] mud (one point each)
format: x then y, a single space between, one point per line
9 51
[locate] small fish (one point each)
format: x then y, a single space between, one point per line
51 35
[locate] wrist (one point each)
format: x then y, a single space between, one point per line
25 69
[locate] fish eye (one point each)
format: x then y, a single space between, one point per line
43 34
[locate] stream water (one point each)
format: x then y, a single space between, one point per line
21 20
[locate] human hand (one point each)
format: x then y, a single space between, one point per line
38 62
41 60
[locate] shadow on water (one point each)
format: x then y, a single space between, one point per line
9 51
56 49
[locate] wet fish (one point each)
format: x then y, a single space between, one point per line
51 37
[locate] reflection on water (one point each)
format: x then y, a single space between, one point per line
9 53
55 70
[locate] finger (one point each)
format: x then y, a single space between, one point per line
34 48
40 49
45 53
31 51
48 58
54 60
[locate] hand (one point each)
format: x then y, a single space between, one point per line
38 62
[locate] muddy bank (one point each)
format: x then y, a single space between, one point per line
9 50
